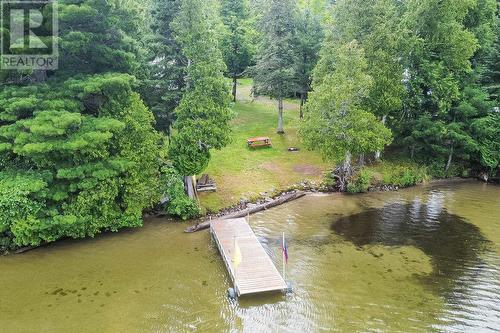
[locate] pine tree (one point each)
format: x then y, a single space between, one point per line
438 53
98 36
237 50
78 157
78 151
166 83
309 36
275 73
491 74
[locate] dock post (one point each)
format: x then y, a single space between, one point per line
283 257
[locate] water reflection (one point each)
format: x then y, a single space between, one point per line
448 239
458 251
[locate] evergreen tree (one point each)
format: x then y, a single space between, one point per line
98 36
78 157
237 50
203 114
275 73
438 56
491 74
486 132
166 83
309 35
78 150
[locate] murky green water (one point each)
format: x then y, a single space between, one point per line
424 259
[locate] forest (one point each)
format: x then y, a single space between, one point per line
144 94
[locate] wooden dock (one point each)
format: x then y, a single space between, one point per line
256 273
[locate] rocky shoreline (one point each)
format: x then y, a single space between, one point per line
309 187
304 186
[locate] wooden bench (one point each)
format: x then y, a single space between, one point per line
259 142
206 184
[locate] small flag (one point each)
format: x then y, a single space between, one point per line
284 249
236 256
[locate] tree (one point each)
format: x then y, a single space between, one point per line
98 36
237 50
486 131
78 156
309 35
275 71
203 114
491 74
336 122
375 26
78 151
438 54
162 90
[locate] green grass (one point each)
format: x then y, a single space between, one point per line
241 172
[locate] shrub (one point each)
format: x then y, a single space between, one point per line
361 182
179 204
404 175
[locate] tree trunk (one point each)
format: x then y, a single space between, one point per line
361 160
450 159
40 75
188 81
190 186
378 153
346 171
280 116
302 102
412 151
235 84
347 162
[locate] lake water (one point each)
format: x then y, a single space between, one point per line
422 259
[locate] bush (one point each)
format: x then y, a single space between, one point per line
436 169
361 182
404 175
179 204
329 180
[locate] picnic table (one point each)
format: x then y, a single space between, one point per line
263 141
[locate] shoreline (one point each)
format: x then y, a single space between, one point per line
309 188
317 189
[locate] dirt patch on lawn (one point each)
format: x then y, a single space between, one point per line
269 166
307 170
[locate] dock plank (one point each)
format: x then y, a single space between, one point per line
256 272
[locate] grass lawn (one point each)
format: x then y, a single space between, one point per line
241 172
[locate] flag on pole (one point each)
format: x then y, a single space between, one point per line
284 249
236 255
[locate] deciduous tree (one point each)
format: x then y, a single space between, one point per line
336 122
